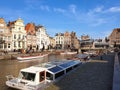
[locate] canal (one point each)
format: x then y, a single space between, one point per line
12 67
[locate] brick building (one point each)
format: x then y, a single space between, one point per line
114 37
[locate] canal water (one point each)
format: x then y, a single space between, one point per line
12 67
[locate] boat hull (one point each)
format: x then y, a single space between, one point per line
31 57
68 53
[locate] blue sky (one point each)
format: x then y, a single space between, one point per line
96 18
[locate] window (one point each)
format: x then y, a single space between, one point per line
45 43
19 44
5 38
9 45
19 36
1 45
49 76
19 28
9 38
14 36
23 37
57 75
41 42
28 76
1 30
68 69
1 38
5 45
14 44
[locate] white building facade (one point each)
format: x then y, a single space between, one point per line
17 29
59 40
43 41
5 36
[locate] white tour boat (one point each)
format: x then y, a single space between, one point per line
38 77
31 57
63 53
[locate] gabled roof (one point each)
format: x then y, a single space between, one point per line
59 34
30 28
38 26
11 23
2 20
27 27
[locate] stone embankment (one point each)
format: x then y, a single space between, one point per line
97 74
14 55
9 55
116 76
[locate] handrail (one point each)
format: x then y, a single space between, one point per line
9 77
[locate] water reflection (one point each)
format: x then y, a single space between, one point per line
12 67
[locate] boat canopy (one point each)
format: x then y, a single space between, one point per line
61 68
55 69
69 64
63 65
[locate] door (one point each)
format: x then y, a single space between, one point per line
42 76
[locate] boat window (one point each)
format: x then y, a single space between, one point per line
28 76
59 74
75 66
49 76
68 69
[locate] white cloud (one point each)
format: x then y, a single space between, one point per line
36 5
98 21
45 7
93 17
114 9
96 10
60 10
72 8
99 9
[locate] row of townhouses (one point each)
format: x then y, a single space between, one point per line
15 35
67 40
86 43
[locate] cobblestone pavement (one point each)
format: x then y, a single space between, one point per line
94 75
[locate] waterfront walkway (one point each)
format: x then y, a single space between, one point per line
94 75
116 76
